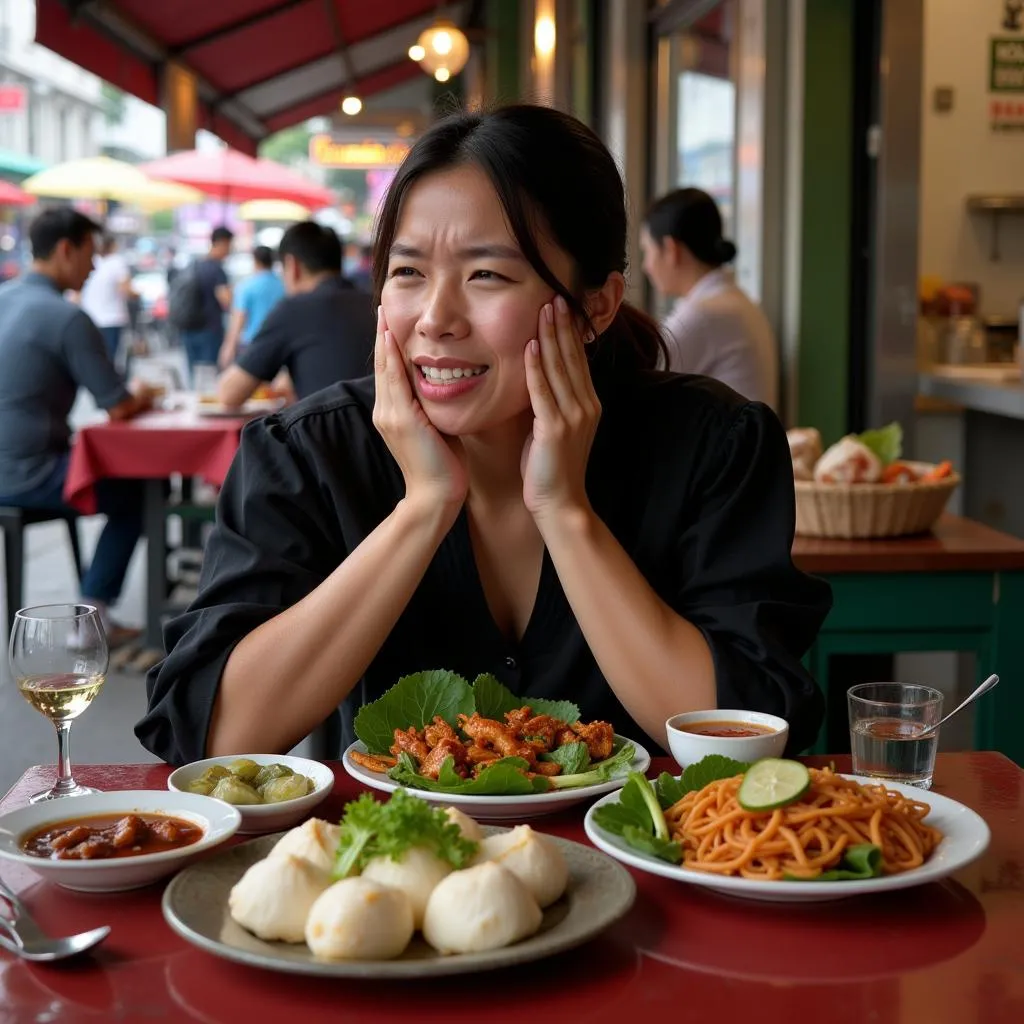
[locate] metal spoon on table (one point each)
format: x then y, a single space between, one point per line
989 684
20 935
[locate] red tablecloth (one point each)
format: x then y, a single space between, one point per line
152 446
945 953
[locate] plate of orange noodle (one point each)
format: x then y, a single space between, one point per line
923 836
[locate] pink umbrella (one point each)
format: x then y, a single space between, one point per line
231 176
11 195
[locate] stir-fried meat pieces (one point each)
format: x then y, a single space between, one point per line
431 765
374 762
598 736
489 733
484 740
412 743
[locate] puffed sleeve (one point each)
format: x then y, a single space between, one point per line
273 543
739 586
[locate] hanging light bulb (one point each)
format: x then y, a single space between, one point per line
351 105
443 49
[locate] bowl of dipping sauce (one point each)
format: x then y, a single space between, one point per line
741 735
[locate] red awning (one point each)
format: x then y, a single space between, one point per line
261 65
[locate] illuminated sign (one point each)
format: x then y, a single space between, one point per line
364 156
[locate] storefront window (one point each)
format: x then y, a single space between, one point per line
705 101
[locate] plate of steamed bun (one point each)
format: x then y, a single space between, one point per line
397 889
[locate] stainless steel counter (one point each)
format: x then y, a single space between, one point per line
998 398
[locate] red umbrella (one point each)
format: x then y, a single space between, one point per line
11 195
231 176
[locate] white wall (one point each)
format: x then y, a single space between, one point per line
961 156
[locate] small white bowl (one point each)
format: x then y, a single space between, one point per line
689 747
258 818
218 820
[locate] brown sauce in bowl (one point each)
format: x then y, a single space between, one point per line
105 836
730 730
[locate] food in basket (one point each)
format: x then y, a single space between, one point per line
398 867
873 457
433 730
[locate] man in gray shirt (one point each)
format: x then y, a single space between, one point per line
48 349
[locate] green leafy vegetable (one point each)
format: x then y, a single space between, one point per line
861 861
492 700
711 768
885 442
413 701
638 819
500 778
602 771
573 757
371 829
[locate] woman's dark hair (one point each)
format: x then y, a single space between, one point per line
691 217
552 175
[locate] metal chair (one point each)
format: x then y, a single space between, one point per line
13 521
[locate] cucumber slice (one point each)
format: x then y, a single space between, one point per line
773 782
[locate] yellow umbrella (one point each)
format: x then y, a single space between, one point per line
273 209
100 177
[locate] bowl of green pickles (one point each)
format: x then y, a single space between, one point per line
271 791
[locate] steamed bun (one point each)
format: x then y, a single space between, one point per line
533 858
479 908
359 919
467 826
273 898
416 874
314 840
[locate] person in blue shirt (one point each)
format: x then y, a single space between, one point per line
256 296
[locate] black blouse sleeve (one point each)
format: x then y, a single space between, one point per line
739 586
271 546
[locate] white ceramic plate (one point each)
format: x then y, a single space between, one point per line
258 818
195 905
501 808
966 837
218 820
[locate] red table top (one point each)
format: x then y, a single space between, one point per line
151 446
944 952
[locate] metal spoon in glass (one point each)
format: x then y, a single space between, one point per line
29 941
989 684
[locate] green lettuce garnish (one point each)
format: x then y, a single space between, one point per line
500 778
638 818
711 768
885 442
858 862
492 700
413 701
373 829
573 757
600 771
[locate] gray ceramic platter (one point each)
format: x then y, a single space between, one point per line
195 905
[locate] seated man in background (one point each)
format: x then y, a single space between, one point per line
48 349
321 332
255 297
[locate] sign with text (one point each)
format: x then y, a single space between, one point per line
1006 66
359 156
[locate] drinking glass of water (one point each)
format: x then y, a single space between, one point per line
59 661
886 725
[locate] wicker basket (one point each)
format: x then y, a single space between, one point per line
871 510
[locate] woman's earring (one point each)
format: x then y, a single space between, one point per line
589 337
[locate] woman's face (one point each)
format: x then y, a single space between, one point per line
462 302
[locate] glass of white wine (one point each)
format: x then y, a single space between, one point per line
59 660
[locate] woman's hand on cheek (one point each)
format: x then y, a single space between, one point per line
432 465
566 412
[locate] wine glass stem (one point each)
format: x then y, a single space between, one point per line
64 778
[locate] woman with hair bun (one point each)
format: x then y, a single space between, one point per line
516 490
713 329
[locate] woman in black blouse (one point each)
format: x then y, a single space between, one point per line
515 491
